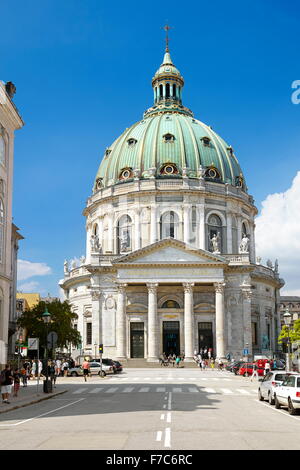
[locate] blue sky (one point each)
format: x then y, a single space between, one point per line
83 74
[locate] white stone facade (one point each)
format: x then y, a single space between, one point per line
9 122
227 293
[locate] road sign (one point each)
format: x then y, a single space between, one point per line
33 343
246 352
52 339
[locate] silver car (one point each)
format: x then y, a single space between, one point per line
268 384
95 369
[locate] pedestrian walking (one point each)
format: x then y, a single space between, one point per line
86 369
203 364
23 376
6 380
58 367
17 380
267 367
65 367
212 363
177 361
254 371
52 373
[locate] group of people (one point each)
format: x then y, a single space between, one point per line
12 377
166 360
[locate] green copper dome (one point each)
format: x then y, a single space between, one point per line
169 142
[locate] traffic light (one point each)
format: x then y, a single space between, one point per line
100 348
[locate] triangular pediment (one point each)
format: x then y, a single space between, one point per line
170 251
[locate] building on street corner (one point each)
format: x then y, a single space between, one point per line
10 121
170 263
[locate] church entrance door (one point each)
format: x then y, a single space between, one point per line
205 335
136 339
171 338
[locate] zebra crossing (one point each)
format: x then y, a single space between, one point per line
168 388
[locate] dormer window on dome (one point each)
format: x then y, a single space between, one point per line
125 174
131 142
230 150
169 169
99 183
206 141
107 152
168 138
239 181
212 173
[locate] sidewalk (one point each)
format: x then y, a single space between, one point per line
30 395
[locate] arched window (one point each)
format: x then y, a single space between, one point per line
167 90
168 225
193 225
170 304
234 235
124 234
1 230
215 232
160 92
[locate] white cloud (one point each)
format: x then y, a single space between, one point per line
28 287
27 269
278 234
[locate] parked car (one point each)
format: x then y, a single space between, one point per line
247 369
95 369
235 366
118 366
288 394
268 385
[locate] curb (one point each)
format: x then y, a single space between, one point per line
32 402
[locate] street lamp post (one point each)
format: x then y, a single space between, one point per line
287 317
46 318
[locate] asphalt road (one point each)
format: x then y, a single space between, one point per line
152 409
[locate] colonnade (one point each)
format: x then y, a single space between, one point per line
153 325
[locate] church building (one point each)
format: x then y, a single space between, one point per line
170 263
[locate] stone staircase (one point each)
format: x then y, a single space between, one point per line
142 363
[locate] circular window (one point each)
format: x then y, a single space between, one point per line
169 169
125 174
212 173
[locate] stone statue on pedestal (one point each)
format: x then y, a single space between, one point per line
244 245
215 243
66 267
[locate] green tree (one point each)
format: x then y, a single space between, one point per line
293 332
61 322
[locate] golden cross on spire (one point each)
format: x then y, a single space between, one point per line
167 29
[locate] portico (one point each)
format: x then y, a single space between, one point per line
150 271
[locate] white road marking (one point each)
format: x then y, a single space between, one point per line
127 390
209 390
193 390
44 414
168 437
227 391
144 389
80 390
96 390
111 390
169 417
158 435
243 392
162 416
176 389
170 401
160 389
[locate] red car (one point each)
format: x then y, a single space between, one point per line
247 368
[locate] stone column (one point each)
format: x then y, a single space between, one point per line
137 230
246 296
229 233
220 320
153 339
188 321
186 224
110 235
153 225
201 227
121 322
96 320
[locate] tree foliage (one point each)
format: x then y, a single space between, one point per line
293 333
61 322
